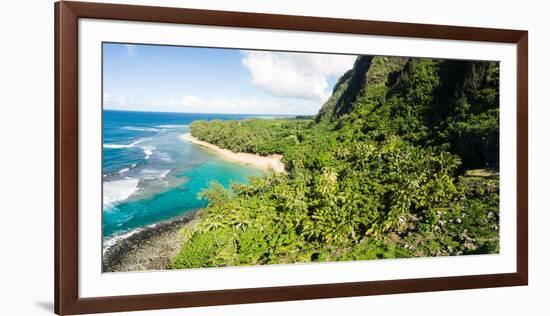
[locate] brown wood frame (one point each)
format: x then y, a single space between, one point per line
67 301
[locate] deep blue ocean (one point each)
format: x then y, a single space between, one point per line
150 174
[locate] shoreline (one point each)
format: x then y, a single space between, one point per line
151 248
265 163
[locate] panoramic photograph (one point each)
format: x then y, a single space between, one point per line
221 157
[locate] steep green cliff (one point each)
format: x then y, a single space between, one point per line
368 73
425 101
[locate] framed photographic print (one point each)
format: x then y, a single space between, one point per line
211 157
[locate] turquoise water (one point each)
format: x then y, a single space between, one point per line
150 174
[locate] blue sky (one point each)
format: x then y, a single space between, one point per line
210 80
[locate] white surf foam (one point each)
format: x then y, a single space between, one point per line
108 243
148 151
118 190
172 126
153 174
141 129
117 146
111 241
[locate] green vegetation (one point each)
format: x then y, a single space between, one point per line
257 136
385 170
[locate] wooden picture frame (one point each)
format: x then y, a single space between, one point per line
67 15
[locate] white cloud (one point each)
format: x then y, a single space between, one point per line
106 97
296 75
131 50
195 104
261 106
192 101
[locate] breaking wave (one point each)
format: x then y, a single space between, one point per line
141 129
118 146
118 190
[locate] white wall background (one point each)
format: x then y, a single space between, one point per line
26 158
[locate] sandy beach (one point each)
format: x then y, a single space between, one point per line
272 162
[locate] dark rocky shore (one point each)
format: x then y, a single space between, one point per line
149 249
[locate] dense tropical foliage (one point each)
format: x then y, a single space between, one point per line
259 136
400 162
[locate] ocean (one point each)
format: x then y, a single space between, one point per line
151 175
